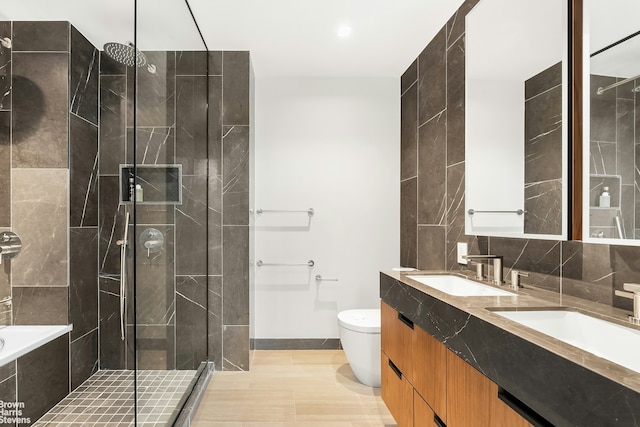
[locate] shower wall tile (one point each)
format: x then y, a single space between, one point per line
235 202
113 120
40 305
215 321
215 63
83 191
585 271
214 217
5 169
85 66
191 124
455 102
215 127
236 66
43 377
155 281
409 133
236 348
409 77
111 225
191 221
191 63
236 276
408 223
432 78
154 145
84 358
603 110
432 152
40 36
431 247
83 280
40 219
40 110
154 347
456 24
5 69
156 91
112 348
109 67
191 321
625 133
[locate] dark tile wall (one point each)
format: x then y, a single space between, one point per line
543 141
175 285
613 157
579 269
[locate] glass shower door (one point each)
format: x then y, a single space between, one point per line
168 194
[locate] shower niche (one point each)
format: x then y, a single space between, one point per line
153 185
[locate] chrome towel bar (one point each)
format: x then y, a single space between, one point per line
519 211
260 263
309 211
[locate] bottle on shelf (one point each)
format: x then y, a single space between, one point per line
605 198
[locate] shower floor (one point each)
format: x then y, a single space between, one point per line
106 399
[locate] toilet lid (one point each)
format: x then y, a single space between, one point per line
362 320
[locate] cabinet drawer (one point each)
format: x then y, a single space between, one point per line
397 338
429 375
397 393
423 415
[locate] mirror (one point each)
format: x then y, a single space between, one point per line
516 119
611 183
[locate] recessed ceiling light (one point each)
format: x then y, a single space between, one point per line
344 31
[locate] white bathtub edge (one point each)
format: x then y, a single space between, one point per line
50 333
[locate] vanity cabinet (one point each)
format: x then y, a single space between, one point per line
431 386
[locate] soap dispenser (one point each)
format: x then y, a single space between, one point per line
605 198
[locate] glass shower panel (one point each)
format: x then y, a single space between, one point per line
168 163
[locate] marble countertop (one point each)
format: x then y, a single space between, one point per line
527 298
563 384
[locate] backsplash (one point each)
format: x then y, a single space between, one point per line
433 188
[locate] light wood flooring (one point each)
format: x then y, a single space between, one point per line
305 388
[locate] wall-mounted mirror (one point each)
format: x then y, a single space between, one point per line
611 183
516 119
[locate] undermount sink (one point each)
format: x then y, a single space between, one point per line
458 286
616 343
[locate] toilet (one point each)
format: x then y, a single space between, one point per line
360 338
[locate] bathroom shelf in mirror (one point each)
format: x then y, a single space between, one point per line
597 182
151 184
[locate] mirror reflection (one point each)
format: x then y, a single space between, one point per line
515 127
612 186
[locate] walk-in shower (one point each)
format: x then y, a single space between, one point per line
129 270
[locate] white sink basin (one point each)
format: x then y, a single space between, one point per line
458 286
616 343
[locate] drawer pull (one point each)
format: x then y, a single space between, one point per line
527 413
395 369
404 319
438 421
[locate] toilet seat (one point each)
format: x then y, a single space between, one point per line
360 320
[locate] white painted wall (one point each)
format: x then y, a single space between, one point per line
331 144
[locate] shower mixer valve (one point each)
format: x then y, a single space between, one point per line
152 240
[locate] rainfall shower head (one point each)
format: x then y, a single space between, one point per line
128 55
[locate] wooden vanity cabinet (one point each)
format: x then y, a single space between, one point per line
472 399
397 392
425 384
396 337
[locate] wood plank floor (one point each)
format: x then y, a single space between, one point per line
305 388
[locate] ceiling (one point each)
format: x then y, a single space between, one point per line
285 37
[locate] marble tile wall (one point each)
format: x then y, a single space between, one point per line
433 156
175 286
613 157
543 143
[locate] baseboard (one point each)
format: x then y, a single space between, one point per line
296 344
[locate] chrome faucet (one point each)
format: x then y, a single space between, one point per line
497 266
632 291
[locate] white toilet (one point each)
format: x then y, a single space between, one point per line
360 337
